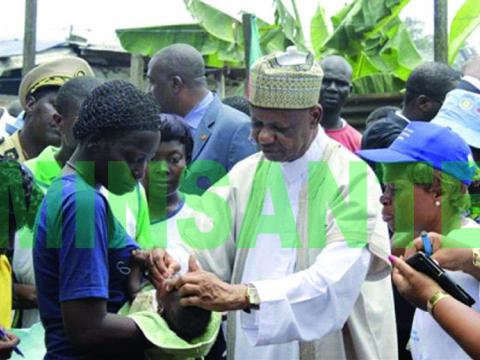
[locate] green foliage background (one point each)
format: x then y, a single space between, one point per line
368 33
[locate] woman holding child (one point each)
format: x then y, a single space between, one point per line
82 256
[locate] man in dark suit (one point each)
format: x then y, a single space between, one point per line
221 134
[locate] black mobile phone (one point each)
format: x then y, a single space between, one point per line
429 267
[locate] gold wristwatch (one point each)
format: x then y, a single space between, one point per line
476 257
252 296
439 295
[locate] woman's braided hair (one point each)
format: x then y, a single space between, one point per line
116 105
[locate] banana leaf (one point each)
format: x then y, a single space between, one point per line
146 41
373 74
400 53
223 27
215 22
272 38
396 7
386 69
363 20
465 21
371 36
218 36
290 25
319 31
341 14
365 65
378 83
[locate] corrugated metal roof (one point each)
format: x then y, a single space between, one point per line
13 47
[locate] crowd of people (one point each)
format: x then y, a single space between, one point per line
171 224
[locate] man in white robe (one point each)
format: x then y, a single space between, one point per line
306 257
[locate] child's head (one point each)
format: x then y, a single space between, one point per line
188 322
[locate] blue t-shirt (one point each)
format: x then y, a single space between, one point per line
80 251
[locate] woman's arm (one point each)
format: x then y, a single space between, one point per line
450 253
459 321
91 329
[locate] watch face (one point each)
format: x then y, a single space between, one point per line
476 257
253 297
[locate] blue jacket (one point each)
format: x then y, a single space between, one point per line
221 140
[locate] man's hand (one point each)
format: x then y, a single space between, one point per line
205 290
158 264
414 286
7 345
445 252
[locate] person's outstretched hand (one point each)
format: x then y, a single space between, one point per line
413 285
449 253
158 263
203 289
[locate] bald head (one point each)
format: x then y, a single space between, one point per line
337 83
177 78
180 60
338 64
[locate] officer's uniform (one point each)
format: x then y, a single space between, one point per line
54 73
11 148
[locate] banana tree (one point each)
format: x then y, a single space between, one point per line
217 35
370 35
290 24
147 41
466 20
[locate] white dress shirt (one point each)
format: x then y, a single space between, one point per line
195 116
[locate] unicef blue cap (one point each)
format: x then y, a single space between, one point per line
425 142
461 113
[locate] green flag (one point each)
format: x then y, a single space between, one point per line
255 51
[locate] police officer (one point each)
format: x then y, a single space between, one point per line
37 93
